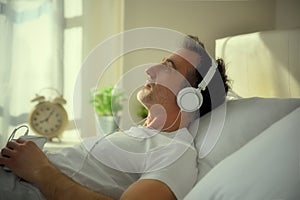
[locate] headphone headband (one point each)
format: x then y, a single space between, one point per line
202 86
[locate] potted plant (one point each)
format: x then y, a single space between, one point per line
107 105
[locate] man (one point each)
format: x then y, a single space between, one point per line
154 161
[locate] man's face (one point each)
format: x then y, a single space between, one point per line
167 78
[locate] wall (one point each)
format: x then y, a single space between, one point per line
287 14
101 20
271 58
207 19
271 62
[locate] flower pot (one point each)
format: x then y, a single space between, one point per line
108 124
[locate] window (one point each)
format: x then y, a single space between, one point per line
72 60
30 57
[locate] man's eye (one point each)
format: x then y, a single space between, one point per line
166 67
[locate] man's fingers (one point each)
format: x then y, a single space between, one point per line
6 152
21 140
3 160
12 144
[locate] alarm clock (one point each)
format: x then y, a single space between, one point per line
48 118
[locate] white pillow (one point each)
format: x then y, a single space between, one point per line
266 168
230 126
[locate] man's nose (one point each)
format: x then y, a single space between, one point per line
153 70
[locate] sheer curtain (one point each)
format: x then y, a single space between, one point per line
30 57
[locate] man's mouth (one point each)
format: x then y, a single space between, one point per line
149 83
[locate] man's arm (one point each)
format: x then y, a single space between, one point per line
27 161
148 189
57 186
65 188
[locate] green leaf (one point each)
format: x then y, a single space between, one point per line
106 101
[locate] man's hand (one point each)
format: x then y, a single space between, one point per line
25 159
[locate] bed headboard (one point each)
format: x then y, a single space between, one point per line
263 64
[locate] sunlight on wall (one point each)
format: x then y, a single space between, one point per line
72 63
72 8
264 64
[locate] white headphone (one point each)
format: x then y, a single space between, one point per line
190 99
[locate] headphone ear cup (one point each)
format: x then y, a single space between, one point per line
189 99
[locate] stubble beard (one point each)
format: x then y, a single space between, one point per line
144 95
152 96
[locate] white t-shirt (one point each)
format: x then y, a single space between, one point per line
110 164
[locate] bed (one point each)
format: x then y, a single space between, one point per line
249 148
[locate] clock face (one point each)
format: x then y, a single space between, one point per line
48 119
